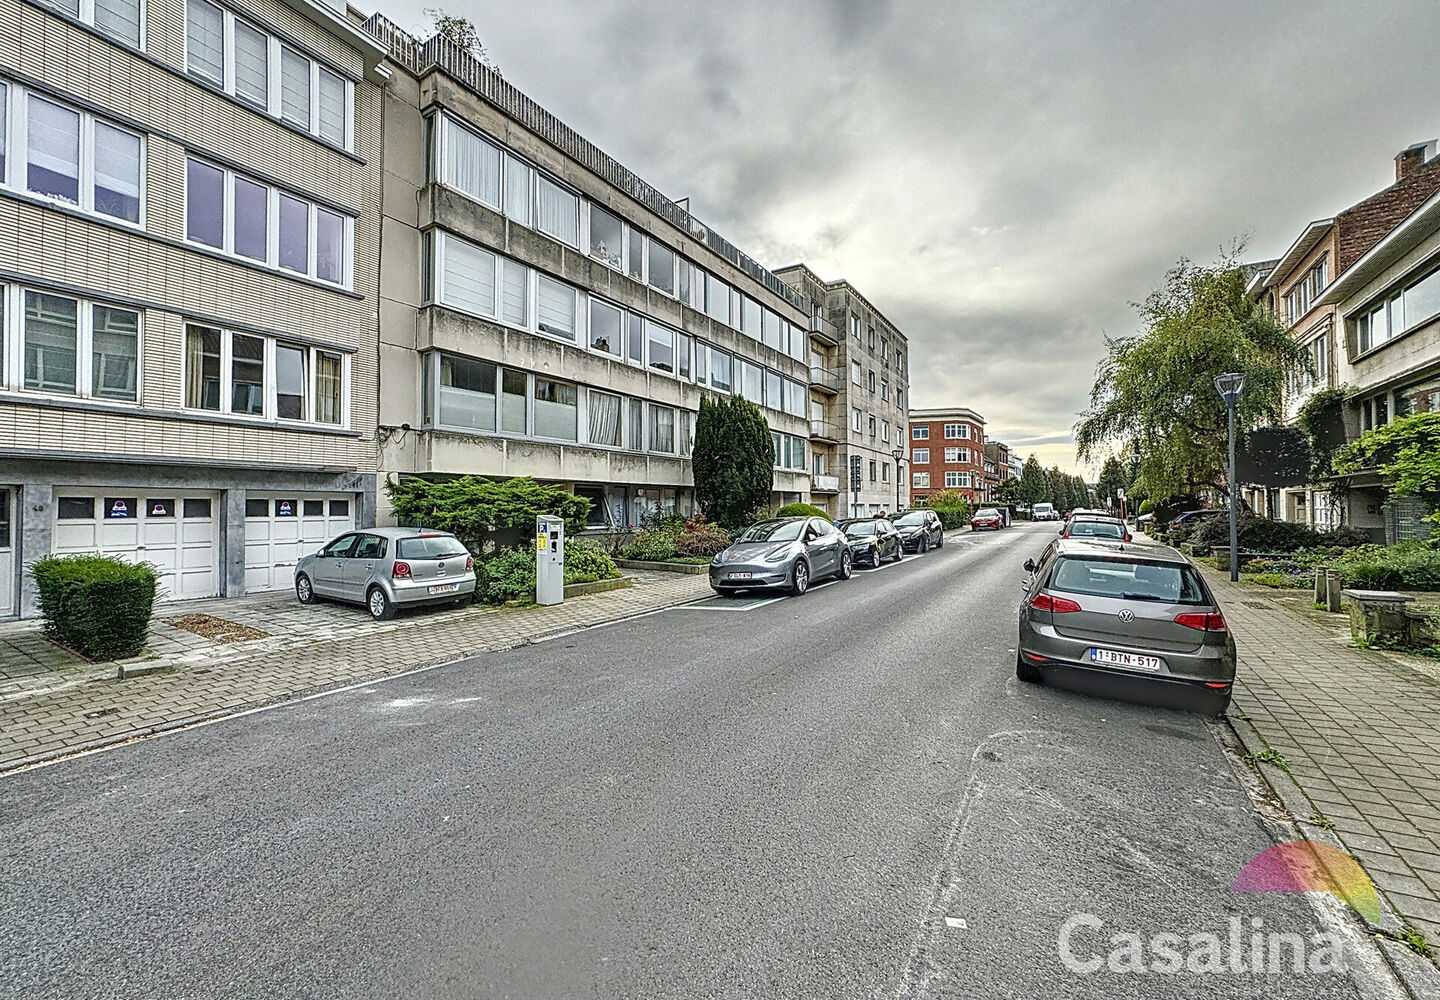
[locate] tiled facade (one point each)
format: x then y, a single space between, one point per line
947 451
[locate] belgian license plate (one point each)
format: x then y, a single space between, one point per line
444 588
1131 661
740 576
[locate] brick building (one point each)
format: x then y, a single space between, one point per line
947 451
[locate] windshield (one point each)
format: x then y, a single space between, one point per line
987 512
429 547
860 529
1044 508
772 531
1095 529
915 517
1131 581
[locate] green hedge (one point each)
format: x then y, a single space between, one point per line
510 576
801 510
99 606
952 517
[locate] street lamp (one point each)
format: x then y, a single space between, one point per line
899 455
1229 386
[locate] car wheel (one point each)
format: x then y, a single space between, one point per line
381 608
847 566
1027 672
941 543
799 578
899 552
304 592
924 545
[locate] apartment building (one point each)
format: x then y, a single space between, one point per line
188 277
998 468
1293 289
947 451
544 312
859 393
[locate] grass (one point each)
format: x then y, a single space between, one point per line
1319 606
1273 757
1415 941
1320 820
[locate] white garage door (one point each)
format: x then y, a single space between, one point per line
176 532
280 528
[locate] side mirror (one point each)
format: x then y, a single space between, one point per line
1029 566
1062 531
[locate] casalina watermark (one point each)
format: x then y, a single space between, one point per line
1244 947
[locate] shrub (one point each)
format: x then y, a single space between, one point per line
587 561
510 576
701 539
1277 580
801 510
1146 507
952 517
653 544
1407 566
472 506
99 606
732 460
1258 534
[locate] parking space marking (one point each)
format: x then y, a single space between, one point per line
732 605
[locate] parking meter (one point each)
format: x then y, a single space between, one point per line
549 559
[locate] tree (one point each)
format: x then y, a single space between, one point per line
1157 388
1079 494
733 459
1112 478
1406 452
1034 488
461 31
1006 492
1059 484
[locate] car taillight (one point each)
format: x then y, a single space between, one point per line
401 569
1204 622
469 562
1055 605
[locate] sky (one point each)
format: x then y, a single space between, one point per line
1001 179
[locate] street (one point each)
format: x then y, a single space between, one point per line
846 794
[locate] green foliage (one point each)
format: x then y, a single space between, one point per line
1322 418
1407 566
733 460
653 544
801 510
1276 580
99 606
700 539
510 576
1034 487
1157 388
952 506
1406 452
953 517
1147 507
1112 478
586 561
1059 484
1006 492
471 506
1259 534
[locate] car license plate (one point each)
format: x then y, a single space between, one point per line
739 576
1131 661
444 588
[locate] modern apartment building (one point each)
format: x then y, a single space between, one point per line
544 312
188 276
859 393
947 451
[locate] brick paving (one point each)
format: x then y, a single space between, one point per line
1359 731
58 704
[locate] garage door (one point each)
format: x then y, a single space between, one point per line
280 528
176 532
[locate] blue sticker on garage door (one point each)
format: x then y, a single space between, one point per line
284 508
120 506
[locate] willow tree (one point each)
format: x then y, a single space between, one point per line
1156 389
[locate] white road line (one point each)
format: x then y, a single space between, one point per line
717 607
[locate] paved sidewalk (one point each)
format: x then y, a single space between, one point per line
90 706
1359 731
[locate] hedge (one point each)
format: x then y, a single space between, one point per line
801 510
510 576
99 606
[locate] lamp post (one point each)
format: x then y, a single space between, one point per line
1229 386
899 455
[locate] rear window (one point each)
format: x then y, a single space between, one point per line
1128 580
429 547
861 529
1095 529
987 512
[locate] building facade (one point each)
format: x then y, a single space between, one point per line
188 275
546 313
998 467
859 394
947 452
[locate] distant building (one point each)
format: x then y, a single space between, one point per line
947 451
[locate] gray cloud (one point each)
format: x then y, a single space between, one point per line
1000 179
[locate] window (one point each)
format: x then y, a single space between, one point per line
76 158
884 472
855 419
662 429
662 268
467 393
884 391
683 343
242 60
750 317
920 456
752 379
871 421
795 398
661 342
855 326
717 299
235 215
119 19
607 236
952 455
871 382
604 419
872 340
291 382
856 373
770 329
1303 294
606 326
470 163
558 212
1401 311
52 335
884 430
719 370
556 409
774 390
519 190
920 480
555 308
75 348
635 350
953 479
957 431
247 375
114 353
637 256
899 400
254 376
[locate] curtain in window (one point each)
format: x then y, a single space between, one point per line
662 429
559 213
518 177
556 410
329 246
295 87
685 432
604 419
471 163
467 277
332 109
513 299
252 61
117 173
205 39
54 151
555 308
120 18
202 368
327 389
634 422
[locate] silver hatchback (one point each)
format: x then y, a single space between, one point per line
1124 619
388 568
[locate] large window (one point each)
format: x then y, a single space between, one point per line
1305 291
243 61
660 343
607 325
120 19
920 456
961 431
920 480
920 433
236 215
71 156
248 375
1397 313
607 237
71 347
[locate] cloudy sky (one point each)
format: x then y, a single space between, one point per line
1001 179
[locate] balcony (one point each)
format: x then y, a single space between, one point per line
824 484
824 430
822 331
824 380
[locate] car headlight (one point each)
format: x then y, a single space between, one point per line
777 555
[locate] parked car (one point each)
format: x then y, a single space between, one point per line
872 540
920 530
1132 620
1087 510
1044 512
987 517
386 569
1191 516
785 552
1096 526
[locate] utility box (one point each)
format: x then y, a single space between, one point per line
549 559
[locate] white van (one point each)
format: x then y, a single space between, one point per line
1044 512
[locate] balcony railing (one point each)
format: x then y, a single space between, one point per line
824 330
824 430
824 484
824 380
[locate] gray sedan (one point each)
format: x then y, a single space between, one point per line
1123 620
388 568
786 552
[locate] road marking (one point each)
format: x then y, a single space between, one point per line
751 606
956 923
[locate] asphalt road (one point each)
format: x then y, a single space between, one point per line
804 798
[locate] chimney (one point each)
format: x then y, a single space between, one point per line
1410 160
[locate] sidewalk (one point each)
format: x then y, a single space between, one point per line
1358 730
57 705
